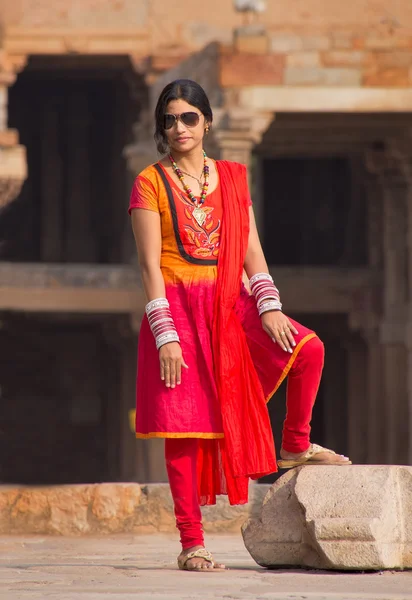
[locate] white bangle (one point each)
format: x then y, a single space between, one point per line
259 277
269 305
157 303
170 336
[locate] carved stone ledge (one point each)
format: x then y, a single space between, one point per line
10 65
391 161
383 165
232 145
236 131
67 40
13 172
13 163
250 122
9 190
9 137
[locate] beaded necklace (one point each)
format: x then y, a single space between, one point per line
198 214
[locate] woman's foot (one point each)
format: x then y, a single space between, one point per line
197 563
315 454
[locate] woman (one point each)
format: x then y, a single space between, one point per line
211 354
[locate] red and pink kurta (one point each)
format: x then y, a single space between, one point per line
189 264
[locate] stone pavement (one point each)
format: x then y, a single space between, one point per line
140 567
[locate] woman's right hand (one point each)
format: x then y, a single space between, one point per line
171 363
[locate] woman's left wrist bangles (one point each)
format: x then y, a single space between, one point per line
265 292
161 322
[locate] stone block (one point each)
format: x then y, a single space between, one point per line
29 512
342 40
69 509
253 44
155 511
114 506
403 41
251 69
285 43
387 76
342 518
358 42
393 58
345 58
380 42
316 42
198 33
303 59
323 76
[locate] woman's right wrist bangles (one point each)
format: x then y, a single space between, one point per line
161 322
265 292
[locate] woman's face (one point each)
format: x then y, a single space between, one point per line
187 131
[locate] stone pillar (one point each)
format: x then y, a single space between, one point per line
364 319
235 134
357 393
392 331
391 434
13 164
402 151
365 381
375 400
236 131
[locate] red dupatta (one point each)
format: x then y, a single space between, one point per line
247 450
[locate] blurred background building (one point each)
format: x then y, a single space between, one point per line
315 96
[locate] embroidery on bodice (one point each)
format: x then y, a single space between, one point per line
205 237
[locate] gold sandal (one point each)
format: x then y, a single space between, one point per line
199 553
309 458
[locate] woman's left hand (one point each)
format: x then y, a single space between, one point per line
280 329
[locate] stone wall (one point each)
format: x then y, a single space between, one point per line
111 508
184 23
296 58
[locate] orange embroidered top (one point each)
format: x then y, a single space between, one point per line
183 239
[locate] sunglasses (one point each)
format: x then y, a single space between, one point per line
190 119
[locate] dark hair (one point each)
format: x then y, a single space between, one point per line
181 89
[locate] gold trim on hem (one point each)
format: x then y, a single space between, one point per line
290 363
166 434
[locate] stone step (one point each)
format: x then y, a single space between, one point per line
107 508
